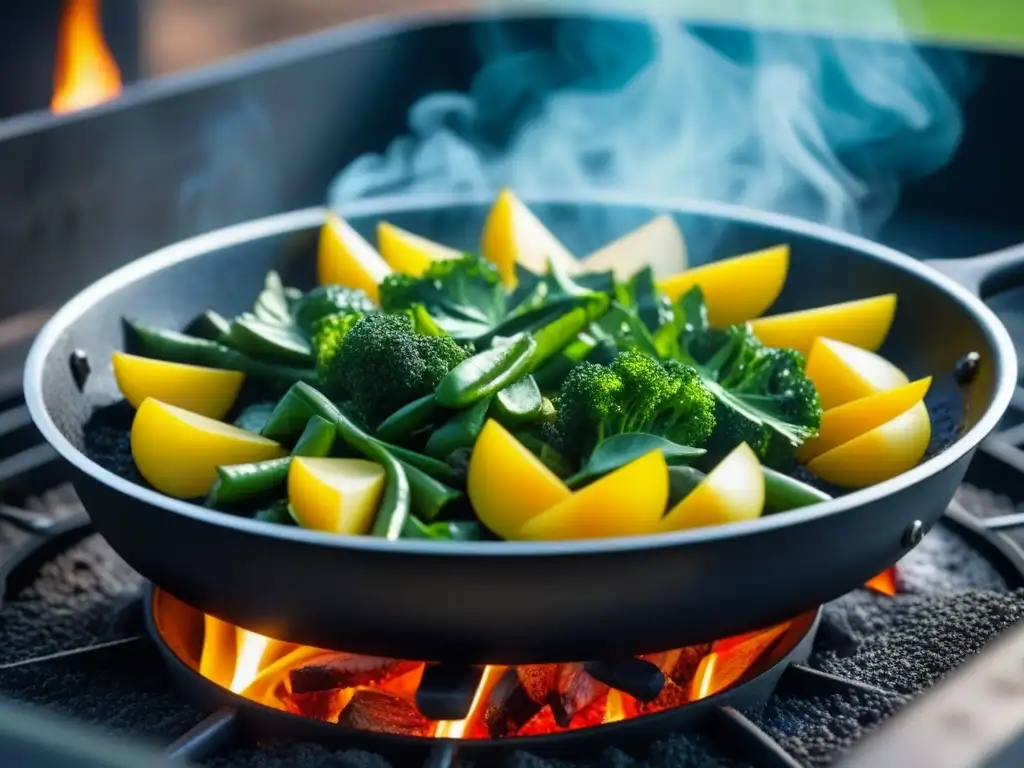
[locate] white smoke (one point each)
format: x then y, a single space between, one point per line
821 127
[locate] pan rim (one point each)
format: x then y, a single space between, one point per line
1004 359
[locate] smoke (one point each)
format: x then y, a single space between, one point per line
821 127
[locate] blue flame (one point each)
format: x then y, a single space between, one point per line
821 127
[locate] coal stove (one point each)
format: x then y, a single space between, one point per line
112 669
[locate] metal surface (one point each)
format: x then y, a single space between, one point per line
793 647
474 602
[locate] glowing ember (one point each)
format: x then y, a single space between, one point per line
378 694
85 72
885 582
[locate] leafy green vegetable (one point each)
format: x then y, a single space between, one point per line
382 364
634 394
619 450
448 530
464 296
763 394
327 300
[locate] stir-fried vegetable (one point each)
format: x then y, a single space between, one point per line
518 393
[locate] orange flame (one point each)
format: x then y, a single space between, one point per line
885 582
85 72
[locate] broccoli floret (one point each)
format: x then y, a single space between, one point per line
383 364
326 337
763 395
326 300
464 295
635 393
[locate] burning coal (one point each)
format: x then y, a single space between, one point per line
821 127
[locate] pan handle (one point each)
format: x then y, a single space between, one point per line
988 274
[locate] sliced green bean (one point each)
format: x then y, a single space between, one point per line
408 419
277 512
485 373
518 403
394 505
453 530
782 492
438 470
289 417
428 496
317 438
180 348
460 431
238 482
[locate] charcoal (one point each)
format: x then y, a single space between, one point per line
689 660
509 707
640 678
538 680
297 755
816 731
576 690
381 713
346 670
908 642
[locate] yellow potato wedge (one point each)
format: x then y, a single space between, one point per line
345 258
844 423
843 373
335 495
736 289
513 234
407 253
864 323
626 502
877 455
658 244
733 491
507 485
178 451
206 391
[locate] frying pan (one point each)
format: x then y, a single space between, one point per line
524 602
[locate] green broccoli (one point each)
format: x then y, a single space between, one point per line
326 300
464 295
326 336
635 393
763 396
382 364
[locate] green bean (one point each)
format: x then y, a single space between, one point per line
453 530
289 417
485 373
782 492
317 438
681 482
179 348
438 470
518 403
427 495
460 431
278 512
408 419
394 505
238 482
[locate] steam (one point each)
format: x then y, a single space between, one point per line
824 128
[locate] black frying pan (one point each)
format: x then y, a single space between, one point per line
522 602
